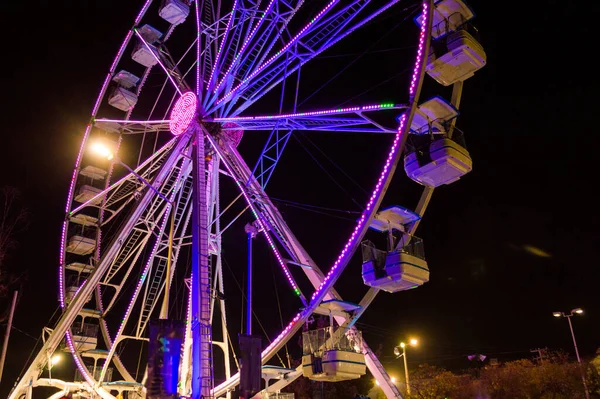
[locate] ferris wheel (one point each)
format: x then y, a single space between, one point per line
148 194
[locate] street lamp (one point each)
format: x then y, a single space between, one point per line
53 361
578 311
412 342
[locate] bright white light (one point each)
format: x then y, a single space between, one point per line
578 310
55 360
557 314
414 342
393 380
101 149
376 382
402 344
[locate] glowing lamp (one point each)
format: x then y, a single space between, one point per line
183 113
102 150
578 311
414 342
393 379
55 360
402 344
556 314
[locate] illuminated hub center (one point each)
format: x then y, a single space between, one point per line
183 113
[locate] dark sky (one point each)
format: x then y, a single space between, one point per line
528 118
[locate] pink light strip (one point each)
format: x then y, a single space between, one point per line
142 12
248 40
63 238
158 60
312 113
218 58
277 54
121 50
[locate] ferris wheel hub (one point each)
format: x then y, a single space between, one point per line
183 113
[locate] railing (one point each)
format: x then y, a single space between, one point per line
405 243
331 338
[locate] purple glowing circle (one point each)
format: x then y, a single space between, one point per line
183 113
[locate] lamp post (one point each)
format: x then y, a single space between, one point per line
412 342
575 311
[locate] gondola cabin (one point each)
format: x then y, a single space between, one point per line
403 265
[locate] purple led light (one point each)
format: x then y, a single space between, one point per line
415 75
310 113
142 12
248 40
198 82
120 52
82 369
183 113
277 54
218 58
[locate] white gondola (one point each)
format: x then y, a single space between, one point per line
80 245
122 99
432 116
434 159
85 336
443 161
455 54
332 355
457 60
80 267
84 220
397 271
87 193
448 16
174 11
146 53
93 172
403 265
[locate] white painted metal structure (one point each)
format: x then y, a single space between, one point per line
116 234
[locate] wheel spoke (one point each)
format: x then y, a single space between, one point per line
351 119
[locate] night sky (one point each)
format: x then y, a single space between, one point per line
507 245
